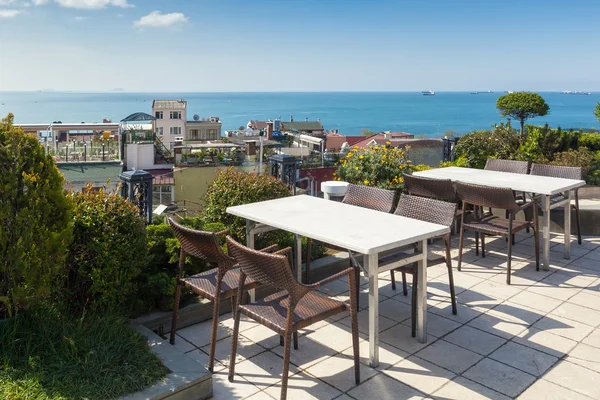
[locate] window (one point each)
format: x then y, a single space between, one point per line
159 131
175 115
194 134
212 134
158 115
175 131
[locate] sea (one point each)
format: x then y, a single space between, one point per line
348 112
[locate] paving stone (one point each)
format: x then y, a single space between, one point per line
309 352
496 290
183 344
338 371
464 389
593 339
199 334
263 370
542 389
263 336
524 358
388 355
336 336
576 378
564 327
363 322
438 326
394 310
384 387
500 377
260 396
245 349
449 356
303 386
578 313
463 314
545 341
586 356
420 374
500 324
202 358
225 390
475 340
536 301
399 336
586 299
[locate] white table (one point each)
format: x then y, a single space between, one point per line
541 185
357 229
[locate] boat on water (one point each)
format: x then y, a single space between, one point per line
576 92
428 93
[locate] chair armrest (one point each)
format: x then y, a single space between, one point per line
270 249
222 233
534 200
331 278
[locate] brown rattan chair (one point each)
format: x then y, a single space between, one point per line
514 166
428 210
216 284
558 171
294 307
361 196
439 189
488 224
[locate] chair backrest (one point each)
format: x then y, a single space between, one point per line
486 196
425 209
441 189
557 171
516 167
269 269
203 245
370 197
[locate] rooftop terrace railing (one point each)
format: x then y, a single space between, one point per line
84 151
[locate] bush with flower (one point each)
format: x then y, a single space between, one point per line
381 166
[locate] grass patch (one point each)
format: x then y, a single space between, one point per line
47 356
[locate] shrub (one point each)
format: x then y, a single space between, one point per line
108 252
233 188
590 140
35 220
476 147
158 277
381 166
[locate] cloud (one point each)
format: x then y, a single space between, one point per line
80 18
9 13
91 4
158 20
39 2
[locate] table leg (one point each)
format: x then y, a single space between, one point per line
567 225
546 233
298 256
372 266
250 243
422 293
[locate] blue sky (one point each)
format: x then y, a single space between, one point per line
299 45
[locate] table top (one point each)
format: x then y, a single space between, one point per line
354 228
517 182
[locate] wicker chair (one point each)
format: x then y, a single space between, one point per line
439 189
216 284
434 211
488 224
294 307
557 171
361 196
516 167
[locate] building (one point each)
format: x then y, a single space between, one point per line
394 138
307 127
170 123
335 141
202 130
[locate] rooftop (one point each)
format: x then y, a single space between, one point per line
302 126
538 338
169 104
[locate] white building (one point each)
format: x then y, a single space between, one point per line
171 117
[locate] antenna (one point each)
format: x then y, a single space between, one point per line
196 117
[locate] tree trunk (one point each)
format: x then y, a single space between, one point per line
522 126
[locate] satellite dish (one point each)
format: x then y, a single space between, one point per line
196 117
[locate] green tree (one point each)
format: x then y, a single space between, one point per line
597 111
35 220
522 106
367 133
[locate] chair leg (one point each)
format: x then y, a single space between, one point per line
577 219
413 304
354 324
450 276
460 246
234 342
482 245
357 286
476 243
286 356
404 287
393 278
215 325
307 264
510 243
175 315
281 340
295 336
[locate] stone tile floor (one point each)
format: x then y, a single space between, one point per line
538 338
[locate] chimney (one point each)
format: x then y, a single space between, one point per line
269 132
291 118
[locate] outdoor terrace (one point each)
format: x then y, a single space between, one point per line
538 338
